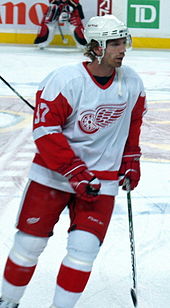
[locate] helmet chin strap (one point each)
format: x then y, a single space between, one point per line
99 58
102 46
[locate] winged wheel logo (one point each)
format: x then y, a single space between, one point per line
90 121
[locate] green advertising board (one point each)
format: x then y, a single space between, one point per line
143 13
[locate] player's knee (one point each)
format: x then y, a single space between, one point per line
83 248
27 248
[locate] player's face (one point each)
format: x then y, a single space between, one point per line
115 52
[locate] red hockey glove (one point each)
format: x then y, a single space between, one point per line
74 2
84 182
79 35
75 20
130 168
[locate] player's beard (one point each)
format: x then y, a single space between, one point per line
118 62
115 62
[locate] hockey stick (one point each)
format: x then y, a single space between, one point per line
65 41
133 290
21 97
56 17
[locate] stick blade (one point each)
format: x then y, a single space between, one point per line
134 297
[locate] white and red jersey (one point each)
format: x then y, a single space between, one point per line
76 116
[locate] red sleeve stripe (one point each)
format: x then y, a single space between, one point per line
51 113
135 125
106 175
49 118
46 130
55 150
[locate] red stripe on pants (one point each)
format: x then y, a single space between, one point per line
18 275
71 279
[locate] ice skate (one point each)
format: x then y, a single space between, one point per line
7 304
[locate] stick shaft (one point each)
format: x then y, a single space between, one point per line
132 244
20 96
132 240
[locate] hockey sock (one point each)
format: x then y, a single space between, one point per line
18 275
21 265
76 283
76 268
70 285
15 280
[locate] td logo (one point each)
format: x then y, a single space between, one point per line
143 13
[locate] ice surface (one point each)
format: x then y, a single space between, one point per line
110 282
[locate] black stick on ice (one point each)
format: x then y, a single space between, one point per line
20 96
133 290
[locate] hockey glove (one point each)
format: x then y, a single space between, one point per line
75 19
74 2
79 35
84 182
130 168
78 27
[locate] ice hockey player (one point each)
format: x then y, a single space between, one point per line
69 11
86 127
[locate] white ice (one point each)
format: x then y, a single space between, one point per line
111 280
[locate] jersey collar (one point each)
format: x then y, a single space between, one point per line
107 85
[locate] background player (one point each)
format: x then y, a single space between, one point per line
61 11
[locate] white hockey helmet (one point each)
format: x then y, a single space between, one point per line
104 28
